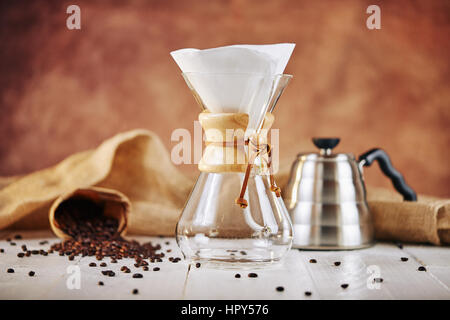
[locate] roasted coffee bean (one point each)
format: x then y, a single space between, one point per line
71 257
123 268
111 273
24 248
28 253
93 234
169 250
145 268
337 263
137 275
156 269
308 293
8 239
237 275
10 270
167 242
280 289
43 242
18 237
105 273
198 264
404 259
399 245
12 243
135 291
45 253
21 254
2 250
422 268
31 273
252 275
34 251
103 264
344 286
312 261
100 283
243 253
92 264
378 280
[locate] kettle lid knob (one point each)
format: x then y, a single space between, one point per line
326 144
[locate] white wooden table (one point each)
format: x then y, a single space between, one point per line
401 280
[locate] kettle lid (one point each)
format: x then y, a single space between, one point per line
326 146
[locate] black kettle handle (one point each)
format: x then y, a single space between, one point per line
386 166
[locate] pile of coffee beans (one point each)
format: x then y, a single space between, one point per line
94 234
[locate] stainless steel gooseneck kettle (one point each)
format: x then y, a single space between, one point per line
326 197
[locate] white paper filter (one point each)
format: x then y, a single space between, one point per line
237 78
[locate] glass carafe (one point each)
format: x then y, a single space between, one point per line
213 226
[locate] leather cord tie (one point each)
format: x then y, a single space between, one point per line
256 149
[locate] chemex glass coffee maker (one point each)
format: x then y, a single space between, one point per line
235 212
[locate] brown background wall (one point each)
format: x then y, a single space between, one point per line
64 91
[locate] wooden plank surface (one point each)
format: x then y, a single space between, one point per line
296 274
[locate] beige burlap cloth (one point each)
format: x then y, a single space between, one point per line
137 164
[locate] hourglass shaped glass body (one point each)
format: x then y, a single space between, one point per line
212 226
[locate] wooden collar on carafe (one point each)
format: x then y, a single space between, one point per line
221 147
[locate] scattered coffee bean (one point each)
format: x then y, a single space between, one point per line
71 257
34 251
312 261
237 275
243 253
24 248
167 242
93 234
2 250
12 243
135 291
43 242
28 253
156 269
378 280
21 254
103 264
111 273
100 283
137 275
399 245
337 263
8 239
92 264
280 289
422 268
10 270
252 275
344 286
18 237
404 259
198 264
169 250
308 293
31 273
